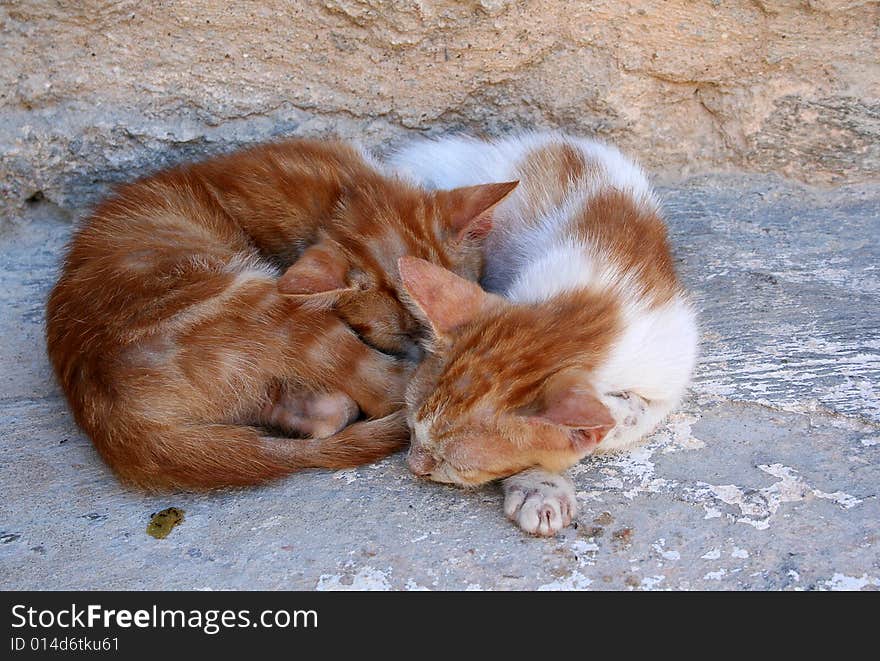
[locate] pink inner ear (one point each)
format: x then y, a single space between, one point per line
318 270
446 300
571 402
471 207
587 440
571 408
478 228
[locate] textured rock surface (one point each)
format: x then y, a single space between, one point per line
766 479
94 92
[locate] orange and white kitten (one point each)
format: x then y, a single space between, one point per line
587 342
209 311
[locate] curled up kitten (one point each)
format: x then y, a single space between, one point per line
207 313
585 343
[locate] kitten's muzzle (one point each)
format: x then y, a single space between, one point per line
420 463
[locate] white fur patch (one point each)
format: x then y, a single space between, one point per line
653 358
571 266
456 161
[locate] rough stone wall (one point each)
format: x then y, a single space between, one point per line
97 91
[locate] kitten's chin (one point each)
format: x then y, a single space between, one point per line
444 473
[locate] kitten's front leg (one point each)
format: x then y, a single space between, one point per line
540 502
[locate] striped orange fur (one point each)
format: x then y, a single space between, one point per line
203 305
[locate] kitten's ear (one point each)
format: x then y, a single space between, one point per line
470 208
318 273
570 401
441 298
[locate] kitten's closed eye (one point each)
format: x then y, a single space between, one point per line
413 349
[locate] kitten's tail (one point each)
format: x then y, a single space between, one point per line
216 456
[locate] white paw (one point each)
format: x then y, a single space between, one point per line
627 408
634 419
541 503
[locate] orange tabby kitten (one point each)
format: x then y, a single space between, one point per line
177 343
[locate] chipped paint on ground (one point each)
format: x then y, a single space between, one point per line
678 435
575 581
758 506
350 475
849 583
365 578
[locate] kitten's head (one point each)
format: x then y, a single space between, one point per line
353 267
503 387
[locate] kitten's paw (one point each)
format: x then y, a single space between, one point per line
627 408
539 502
317 415
632 415
327 414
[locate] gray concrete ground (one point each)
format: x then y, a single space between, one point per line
767 478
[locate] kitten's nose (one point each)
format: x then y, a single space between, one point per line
421 463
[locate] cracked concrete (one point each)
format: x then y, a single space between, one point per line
766 478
